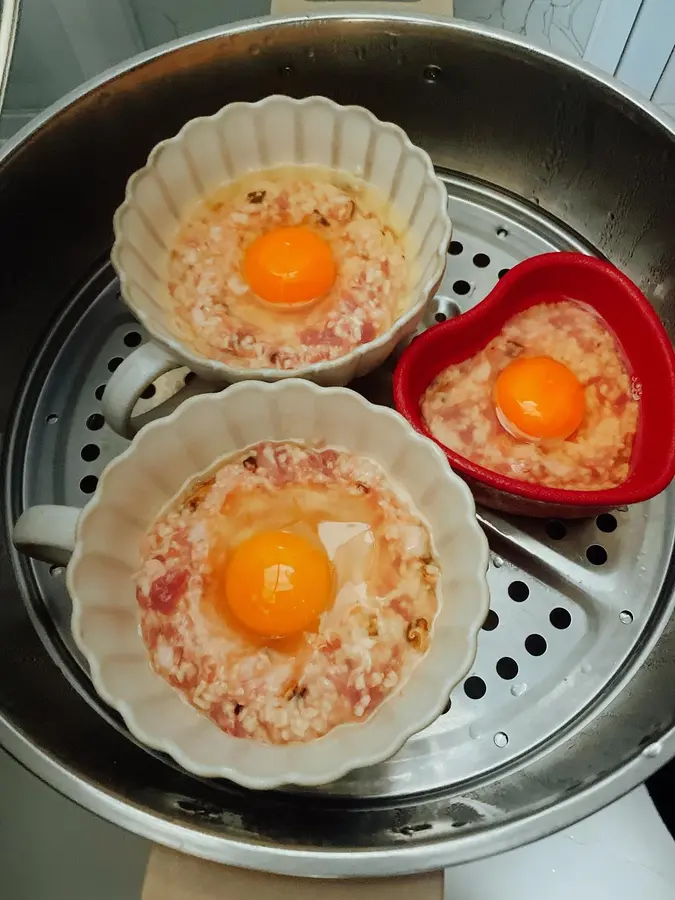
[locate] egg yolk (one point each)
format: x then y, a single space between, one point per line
277 583
538 398
289 266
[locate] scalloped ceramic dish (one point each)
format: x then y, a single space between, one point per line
245 137
644 341
136 486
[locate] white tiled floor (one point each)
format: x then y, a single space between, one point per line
51 849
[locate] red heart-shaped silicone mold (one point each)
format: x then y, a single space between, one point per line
647 347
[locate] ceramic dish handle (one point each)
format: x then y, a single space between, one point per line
47 533
134 375
431 7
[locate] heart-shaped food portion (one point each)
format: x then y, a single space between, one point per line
547 389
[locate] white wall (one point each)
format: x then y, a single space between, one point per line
45 65
164 20
62 42
564 25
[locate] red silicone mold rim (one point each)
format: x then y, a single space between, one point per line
638 330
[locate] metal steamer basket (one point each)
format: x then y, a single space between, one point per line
569 704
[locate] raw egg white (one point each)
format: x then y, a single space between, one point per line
277 564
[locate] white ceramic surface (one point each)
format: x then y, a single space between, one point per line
241 138
135 487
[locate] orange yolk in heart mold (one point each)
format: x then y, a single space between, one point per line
538 399
277 584
289 266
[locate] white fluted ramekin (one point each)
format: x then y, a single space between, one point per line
137 485
245 137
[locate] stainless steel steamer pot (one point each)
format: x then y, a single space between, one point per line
570 701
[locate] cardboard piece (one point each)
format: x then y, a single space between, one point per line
174 876
409 7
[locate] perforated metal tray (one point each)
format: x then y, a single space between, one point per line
569 600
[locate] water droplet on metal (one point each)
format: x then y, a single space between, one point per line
653 750
475 731
501 739
497 561
587 668
255 50
518 689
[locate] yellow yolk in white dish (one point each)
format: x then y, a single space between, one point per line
289 266
277 583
